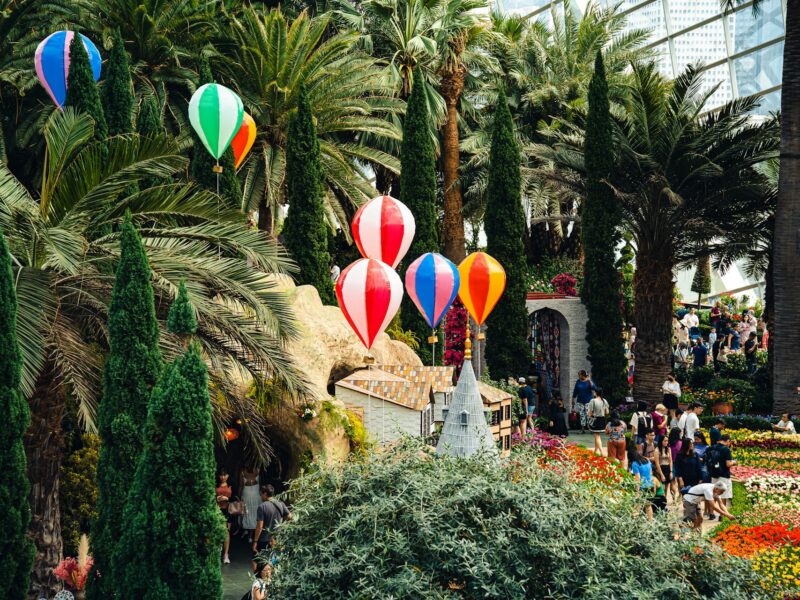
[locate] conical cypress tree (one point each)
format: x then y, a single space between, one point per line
181 319
202 162
701 283
148 124
170 548
131 371
15 547
304 231
507 352
600 221
82 93
418 192
118 89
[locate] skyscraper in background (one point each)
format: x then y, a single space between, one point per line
741 52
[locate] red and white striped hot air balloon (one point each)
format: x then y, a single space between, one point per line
383 229
369 294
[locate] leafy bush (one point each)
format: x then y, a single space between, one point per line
736 367
408 524
541 275
744 392
751 422
79 492
699 377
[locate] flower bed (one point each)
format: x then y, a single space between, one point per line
768 531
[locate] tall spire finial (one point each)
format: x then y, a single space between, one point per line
468 343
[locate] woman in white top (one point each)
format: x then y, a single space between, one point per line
672 392
596 416
251 496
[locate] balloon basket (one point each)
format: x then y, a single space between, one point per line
216 169
481 336
432 339
369 359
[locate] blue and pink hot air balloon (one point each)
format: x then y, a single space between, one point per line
432 283
52 63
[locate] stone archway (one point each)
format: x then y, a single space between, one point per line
571 318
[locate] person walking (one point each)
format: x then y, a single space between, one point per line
719 462
690 421
642 470
641 424
665 467
251 496
750 348
672 392
597 414
269 515
660 422
581 396
616 444
224 494
688 471
528 400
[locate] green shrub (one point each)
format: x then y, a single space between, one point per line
699 377
736 367
753 423
79 492
407 524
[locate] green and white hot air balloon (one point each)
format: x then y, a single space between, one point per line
216 114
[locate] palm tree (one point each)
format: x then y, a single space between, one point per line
683 180
460 28
401 34
64 244
545 72
266 59
786 258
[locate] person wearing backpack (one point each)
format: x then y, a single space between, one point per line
597 413
719 462
641 424
270 514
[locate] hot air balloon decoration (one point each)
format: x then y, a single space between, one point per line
216 114
383 229
243 140
483 281
369 294
432 283
52 61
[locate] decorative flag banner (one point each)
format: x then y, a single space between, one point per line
383 229
52 63
482 283
216 114
432 283
243 140
369 294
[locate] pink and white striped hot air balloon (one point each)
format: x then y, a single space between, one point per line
369 294
383 229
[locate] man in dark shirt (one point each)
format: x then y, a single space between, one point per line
700 354
716 431
719 462
528 398
750 347
270 514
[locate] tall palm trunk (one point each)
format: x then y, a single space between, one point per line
450 87
786 277
44 446
652 284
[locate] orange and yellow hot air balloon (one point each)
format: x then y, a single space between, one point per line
243 140
482 283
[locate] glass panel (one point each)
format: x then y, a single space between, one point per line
748 29
663 60
522 7
625 4
759 70
724 93
705 44
685 13
650 17
770 103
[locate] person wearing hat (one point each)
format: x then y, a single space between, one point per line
710 493
528 399
262 572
